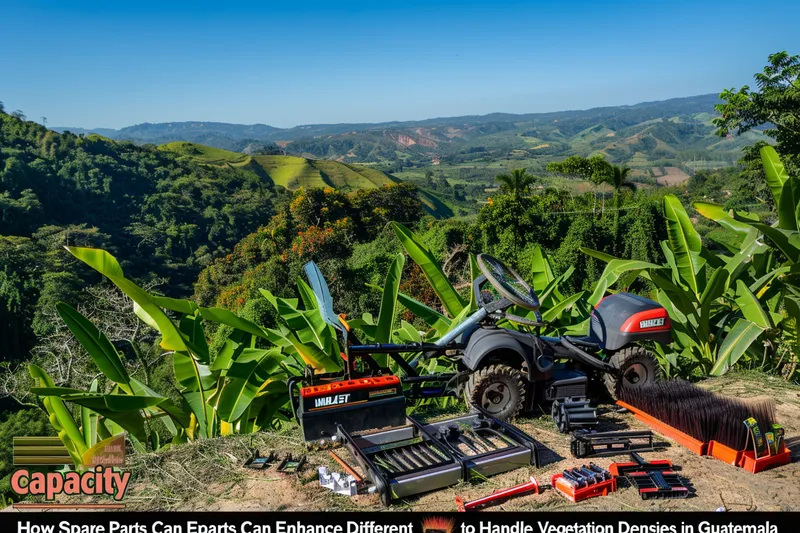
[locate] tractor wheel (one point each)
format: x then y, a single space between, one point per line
639 367
497 389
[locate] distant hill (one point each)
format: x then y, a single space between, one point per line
294 172
665 132
288 171
206 154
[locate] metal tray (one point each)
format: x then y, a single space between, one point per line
416 458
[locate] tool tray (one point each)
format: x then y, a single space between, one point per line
403 461
487 446
416 458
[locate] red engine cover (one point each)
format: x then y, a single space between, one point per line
622 318
652 320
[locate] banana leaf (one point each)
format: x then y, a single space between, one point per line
107 265
714 289
614 269
763 283
113 402
721 216
309 326
306 294
602 256
276 395
122 409
89 420
789 204
787 241
685 244
541 271
173 412
227 354
432 318
389 300
406 333
775 172
202 413
223 316
60 417
453 302
238 392
751 308
738 339
184 307
383 331
554 312
97 345
191 375
192 328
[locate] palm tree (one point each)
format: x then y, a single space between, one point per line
617 178
517 184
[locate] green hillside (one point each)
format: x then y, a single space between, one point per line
206 154
291 172
288 171
294 172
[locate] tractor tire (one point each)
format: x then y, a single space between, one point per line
639 367
497 389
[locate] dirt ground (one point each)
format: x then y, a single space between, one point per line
673 176
209 476
716 484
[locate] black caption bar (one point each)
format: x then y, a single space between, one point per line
487 522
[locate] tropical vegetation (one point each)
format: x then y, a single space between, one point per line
179 308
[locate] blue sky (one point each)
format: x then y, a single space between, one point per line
99 64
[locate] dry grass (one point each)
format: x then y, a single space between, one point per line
208 475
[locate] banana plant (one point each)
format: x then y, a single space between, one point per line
241 389
718 304
125 408
560 313
783 236
452 302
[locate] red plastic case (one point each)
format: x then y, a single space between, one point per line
751 464
601 488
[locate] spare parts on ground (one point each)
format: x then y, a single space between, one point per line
531 486
503 372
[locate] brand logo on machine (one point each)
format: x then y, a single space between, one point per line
332 400
651 323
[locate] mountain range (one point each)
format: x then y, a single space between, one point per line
664 131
